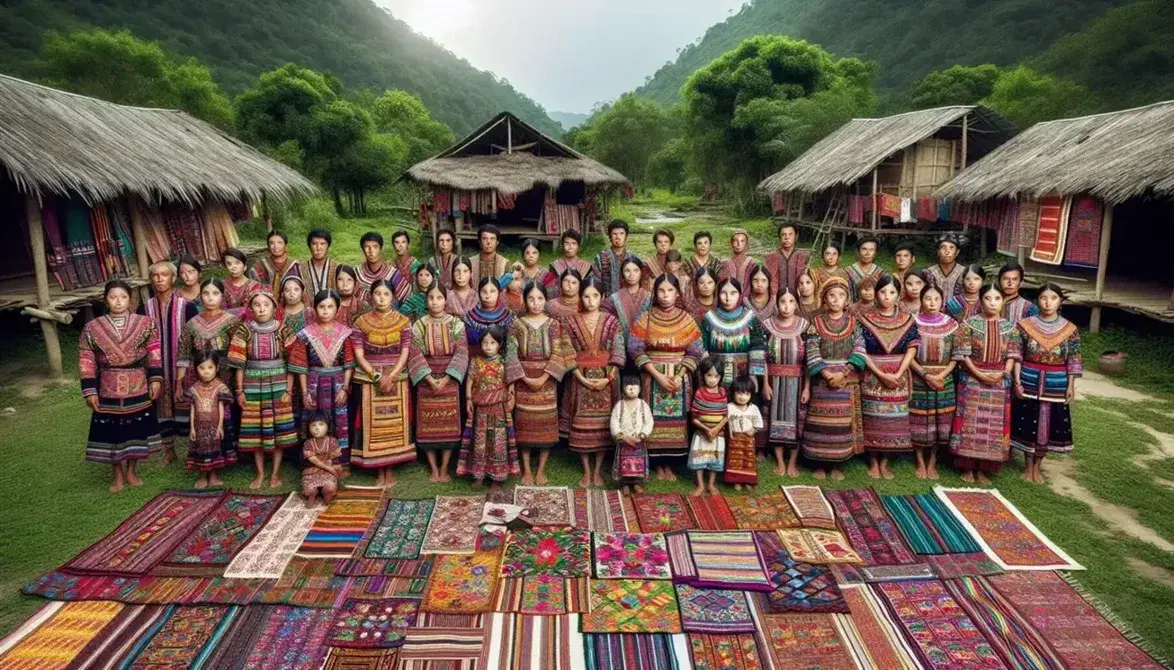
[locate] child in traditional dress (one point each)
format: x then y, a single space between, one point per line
209 397
488 447
631 424
707 453
866 291
322 455
745 420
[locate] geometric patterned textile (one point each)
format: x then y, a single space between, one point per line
766 512
344 522
547 505
398 531
662 512
815 545
810 506
1015 640
727 560
714 610
453 528
712 513
56 634
270 550
875 537
223 532
939 629
798 587
809 641
632 606
724 652
1003 532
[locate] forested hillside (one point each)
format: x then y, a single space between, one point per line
908 39
354 40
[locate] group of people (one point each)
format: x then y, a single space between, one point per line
659 361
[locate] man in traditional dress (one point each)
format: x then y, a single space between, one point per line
489 263
947 274
741 264
170 312
904 258
786 264
702 243
609 263
320 268
1015 307
275 267
401 242
569 242
375 268
444 258
654 266
865 265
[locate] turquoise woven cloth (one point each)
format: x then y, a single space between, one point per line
928 525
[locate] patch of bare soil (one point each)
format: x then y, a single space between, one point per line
1095 384
1163 576
1059 474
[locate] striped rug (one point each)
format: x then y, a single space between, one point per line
339 528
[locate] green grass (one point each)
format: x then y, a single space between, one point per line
1151 358
53 504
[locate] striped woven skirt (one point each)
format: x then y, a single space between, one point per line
266 422
536 411
438 416
590 412
670 438
323 385
832 432
384 437
931 412
1042 423
117 437
741 460
885 411
981 430
784 415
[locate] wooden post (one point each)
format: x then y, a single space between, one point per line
138 229
965 127
875 202
509 136
41 270
1094 320
266 212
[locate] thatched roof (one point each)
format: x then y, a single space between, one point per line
860 145
484 160
52 141
1113 156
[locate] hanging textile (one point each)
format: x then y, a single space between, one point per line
1028 221
441 200
506 201
55 251
889 205
944 210
464 200
778 202
1053 225
907 210
124 244
240 210
1005 241
158 244
83 253
856 209
1083 246
927 209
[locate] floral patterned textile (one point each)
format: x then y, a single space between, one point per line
558 553
875 537
818 546
224 532
798 587
768 512
806 642
631 556
547 505
372 624
1004 533
183 636
270 550
714 610
662 512
724 652
632 606
940 630
463 583
453 527
400 531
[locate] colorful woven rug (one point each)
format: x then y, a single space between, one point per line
522 642
453 527
546 505
120 636
814 545
798 587
266 556
398 532
184 635
711 512
1072 626
542 594
372 624
293 638
680 557
662 512
241 635
148 536
607 512
463 583
342 524
1082 248
632 606
557 553
937 627
581 509
1003 532
631 556
56 634
381 587
766 512
807 641
875 537
933 531
724 652
444 642
1052 231
1011 636
714 610
220 536
727 560
810 506
343 658
883 645
306 583
637 652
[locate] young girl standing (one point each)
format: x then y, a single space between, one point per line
787 388
962 307
631 424
988 349
489 448
416 304
440 358
238 287
211 329
209 450
932 404
323 357
704 294
490 311
293 307
745 421
707 453
350 303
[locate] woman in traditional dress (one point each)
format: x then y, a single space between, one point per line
988 348
787 388
350 304
121 367
382 340
293 303
415 306
829 268
865 297
439 360
759 298
665 343
264 385
463 296
809 298
931 407
189 270
964 306
599 356
566 303
323 357
1045 383
569 242
239 286
890 345
704 294
531 268
832 432
911 286
490 311
543 356
630 301
488 447
210 329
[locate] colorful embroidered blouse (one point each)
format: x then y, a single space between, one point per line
545 342
1019 308
317 347
597 348
834 343
737 341
950 284
937 339
786 347
784 271
479 320
627 306
439 348
988 342
1051 353
205 332
384 338
961 309
267 273
259 344
886 335
489 384
666 336
609 268
119 364
738 267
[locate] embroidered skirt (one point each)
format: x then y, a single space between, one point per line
1039 427
488 447
741 460
784 415
438 416
931 412
630 465
885 411
536 410
670 412
589 411
384 437
266 423
982 429
115 438
832 431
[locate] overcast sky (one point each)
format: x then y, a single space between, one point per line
566 54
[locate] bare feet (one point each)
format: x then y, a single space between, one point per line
585 481
792 471
780 470
669 475
215 480
884 471
819 473
1027 476
168 456
921 472
257 482
274 482
638 488
983 479
737 487
116 487
445 478
836 474
133 479
202 482
712 489
931 472
434 477
527 479
541 479
874 471
597 479
379 480
968 477
697 491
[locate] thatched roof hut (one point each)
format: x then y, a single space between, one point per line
906 155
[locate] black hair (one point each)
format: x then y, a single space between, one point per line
463 260
905 245
319 416
370 236
865 239
436 286
741 384
885 281
667 233
976 269
212 281
1053 287
347 270
988 288
319 234
1011 267
380 283
832 245
486 281
189 260
444 231
496 331
665 278
759 268
617 224
591 282
277 233
708 363
672 256
113 284
488 228
530 242
701 272
235 253
932 287
327 294
631 260
570 272
914 273
728 281
401 233
786 290
629 380
785 225
292 278
700 234
424 267
533 285
203 354
571 233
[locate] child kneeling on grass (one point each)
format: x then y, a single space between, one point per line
631 424
322 456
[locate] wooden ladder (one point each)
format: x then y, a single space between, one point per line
837 214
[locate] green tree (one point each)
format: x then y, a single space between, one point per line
627 133
957 85
119 67
280 106
1026 97
403 114
668 168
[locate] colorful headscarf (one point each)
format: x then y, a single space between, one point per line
830 283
